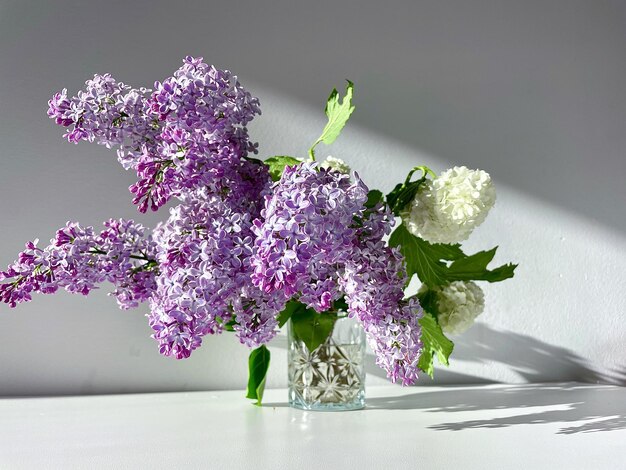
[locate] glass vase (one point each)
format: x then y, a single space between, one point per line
331 377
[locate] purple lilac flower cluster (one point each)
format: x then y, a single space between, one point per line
237 247
78 259
317 241
186 134
188 139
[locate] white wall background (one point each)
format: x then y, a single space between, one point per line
530 91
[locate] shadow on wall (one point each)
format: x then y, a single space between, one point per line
595 407
531 359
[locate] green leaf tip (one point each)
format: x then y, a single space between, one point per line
258 364
338 112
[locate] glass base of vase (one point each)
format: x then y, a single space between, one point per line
296 400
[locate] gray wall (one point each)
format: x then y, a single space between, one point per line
531 91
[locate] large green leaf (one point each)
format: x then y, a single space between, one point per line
311 327
258 364
423 258
435 344
430 261
277 165
338 113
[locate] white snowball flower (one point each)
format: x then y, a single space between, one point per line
459 303
448 208
336 164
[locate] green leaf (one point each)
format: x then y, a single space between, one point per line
393 196
423 258
258 364
230 325
373 198
444 251
291 307
311 327
435 344
338 113
403 193
340 305
474 267
430 261
277 165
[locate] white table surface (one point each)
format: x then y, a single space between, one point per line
555 426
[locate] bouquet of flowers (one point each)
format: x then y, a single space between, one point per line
251 244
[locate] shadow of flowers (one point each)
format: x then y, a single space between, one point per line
588 408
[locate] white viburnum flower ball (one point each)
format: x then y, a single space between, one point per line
336 164
459 303
448 208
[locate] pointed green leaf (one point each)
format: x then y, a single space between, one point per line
474 267
430 261
338 113
311 327
277 165
258 364
435 344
